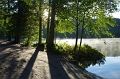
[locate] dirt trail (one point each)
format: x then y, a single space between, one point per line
18 62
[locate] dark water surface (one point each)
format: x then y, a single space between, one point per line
111 48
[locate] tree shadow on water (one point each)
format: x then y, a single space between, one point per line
56 69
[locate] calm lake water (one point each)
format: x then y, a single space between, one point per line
111 48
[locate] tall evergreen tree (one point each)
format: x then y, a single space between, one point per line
19 19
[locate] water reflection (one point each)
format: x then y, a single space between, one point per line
110 70
111 49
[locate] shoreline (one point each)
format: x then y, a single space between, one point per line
18 62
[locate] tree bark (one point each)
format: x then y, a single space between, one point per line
82 32
17 39
9 34
77 24
48 24
52 26
76 39
40 23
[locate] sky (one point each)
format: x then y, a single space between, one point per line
116 15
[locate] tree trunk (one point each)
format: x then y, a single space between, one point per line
40 23
82 31
40 30
81 37
48 24
9 34
76 39
52 26
77 24
9 37
17 39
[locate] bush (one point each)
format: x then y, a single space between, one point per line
89 56
63 48
86 56
27 42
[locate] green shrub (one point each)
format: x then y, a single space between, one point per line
86 56
89 56
27 42
63 48
35 45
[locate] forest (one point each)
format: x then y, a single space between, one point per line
114 30
36 19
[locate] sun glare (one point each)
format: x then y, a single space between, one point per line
45 13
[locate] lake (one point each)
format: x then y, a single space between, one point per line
110 70
111 48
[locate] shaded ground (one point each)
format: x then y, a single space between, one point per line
28 63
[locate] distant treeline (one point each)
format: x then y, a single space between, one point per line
114 30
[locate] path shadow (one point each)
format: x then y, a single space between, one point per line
27 70
10 50
63 69
77 72
9 53
56 69
7 44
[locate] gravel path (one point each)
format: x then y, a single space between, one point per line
28 63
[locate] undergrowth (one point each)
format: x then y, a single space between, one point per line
85 57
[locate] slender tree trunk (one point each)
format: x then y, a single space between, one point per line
77 24
40 23
48 24
82 31
81 40
76 39
9 34
81 37
52 26
40 30
55 36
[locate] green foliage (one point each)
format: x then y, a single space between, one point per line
81 14
27 42
17 19
89 56
63 26
86 56
30 39
21 17
63 48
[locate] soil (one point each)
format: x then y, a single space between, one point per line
17 62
